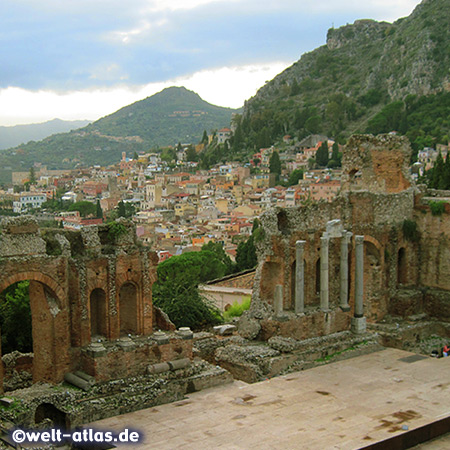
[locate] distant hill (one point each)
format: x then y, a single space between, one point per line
341 87
21 134
166 118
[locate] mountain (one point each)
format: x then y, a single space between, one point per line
166 118
21 134
365 67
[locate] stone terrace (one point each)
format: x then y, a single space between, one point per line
346 405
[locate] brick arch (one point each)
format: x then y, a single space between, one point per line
34 276
50 331
377 244
130 309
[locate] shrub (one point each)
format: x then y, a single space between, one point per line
437 208
410 230
236 309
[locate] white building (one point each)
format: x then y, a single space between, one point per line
25 201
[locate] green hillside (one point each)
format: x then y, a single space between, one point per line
168 117
339 88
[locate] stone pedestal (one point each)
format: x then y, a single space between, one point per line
299 306
160 338
358 325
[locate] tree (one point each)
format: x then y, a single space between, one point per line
15 318
191 154
275 164
295 88
204 138
99 212
336 155
121 209
84 207
218 250
176 290
32 175
295 176
322 154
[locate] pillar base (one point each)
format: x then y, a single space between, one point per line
345 308
359 325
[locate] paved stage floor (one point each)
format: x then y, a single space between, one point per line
345 405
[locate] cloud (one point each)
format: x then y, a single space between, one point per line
225 86
105 45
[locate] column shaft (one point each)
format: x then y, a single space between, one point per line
278 300
299 278
359 276
343 303
324 300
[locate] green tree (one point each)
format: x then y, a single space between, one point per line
336 155
191 154
295 88
121 212
295 176
84 207
218 250
275 164
99 211
204 138
32 175
322 154
15 318
176 290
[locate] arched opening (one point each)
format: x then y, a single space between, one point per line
317 276
401 267
16 336
50 416
27 301
128 309
98 312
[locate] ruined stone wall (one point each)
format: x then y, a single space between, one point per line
376 163
376 199
81 284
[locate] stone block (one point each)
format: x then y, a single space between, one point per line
6 401
359 325
224 330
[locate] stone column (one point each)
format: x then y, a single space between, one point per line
278 300
324 301
359 321
299 278
346 236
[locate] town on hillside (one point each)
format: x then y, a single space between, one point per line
178 207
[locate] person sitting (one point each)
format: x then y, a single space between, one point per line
445 350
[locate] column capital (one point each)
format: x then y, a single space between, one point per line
300 244
359 239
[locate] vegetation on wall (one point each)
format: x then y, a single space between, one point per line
15 318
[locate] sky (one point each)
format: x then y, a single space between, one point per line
84 59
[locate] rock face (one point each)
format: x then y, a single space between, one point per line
384 61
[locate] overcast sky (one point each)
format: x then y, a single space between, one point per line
83 59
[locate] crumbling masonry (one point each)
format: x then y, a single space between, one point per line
90 290
330 267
